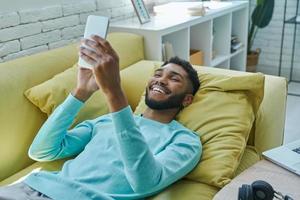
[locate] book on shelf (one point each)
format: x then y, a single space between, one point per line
235 43
236 46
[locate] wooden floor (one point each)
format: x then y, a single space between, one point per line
292 123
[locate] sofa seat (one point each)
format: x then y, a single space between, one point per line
184 188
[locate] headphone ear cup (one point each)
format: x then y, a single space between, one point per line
262 190
245 192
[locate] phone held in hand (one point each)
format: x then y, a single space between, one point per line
95 25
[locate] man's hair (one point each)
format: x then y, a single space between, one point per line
192 73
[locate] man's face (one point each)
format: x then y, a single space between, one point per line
168 88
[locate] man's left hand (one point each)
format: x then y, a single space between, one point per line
105 62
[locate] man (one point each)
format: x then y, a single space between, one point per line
119 155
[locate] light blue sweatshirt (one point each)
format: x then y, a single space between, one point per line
119 155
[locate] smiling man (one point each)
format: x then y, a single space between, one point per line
118 155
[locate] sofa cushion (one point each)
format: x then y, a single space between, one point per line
222 113
50 94
121 41
35 167
250 157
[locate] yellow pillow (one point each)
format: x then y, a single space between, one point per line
222 113
50 94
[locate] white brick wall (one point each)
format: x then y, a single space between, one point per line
9 47
39 39
46 13
79 7
29 31
102 4
9 19
60 43
72 32
20 31
25 52
60 23
104 12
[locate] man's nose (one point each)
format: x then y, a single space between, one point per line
162 80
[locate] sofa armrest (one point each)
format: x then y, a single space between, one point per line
270 121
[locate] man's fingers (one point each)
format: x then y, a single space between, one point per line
104 43
93 45
95 56
101 46
87 58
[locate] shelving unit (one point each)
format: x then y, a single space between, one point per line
291 21
221 39
210 33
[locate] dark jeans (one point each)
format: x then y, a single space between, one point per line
21 191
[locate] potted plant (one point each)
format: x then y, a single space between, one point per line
260 18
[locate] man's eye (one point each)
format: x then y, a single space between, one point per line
175 79
157 75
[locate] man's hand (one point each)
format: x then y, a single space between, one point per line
105 62
86 84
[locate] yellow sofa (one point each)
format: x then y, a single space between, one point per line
20 120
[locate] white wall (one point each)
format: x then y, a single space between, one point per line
15 5
43 26
269 40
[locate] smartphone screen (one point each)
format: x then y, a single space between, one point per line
95 25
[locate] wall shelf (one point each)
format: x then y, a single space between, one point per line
218 60
241 50
210 33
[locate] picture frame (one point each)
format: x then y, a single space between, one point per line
141 11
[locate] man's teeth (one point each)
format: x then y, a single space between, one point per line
159 90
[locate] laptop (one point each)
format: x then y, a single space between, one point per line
287 156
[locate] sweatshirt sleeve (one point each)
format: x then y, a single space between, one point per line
54 140
145 171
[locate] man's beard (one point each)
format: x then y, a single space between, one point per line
174 101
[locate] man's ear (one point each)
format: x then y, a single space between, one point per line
188 99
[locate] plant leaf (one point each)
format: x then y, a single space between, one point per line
262 14
260 2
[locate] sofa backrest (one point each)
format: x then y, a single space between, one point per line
19 119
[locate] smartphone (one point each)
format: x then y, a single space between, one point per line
95 25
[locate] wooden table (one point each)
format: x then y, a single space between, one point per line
281 180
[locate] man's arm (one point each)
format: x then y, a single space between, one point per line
105 62
54 141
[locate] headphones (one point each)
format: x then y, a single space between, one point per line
260 190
